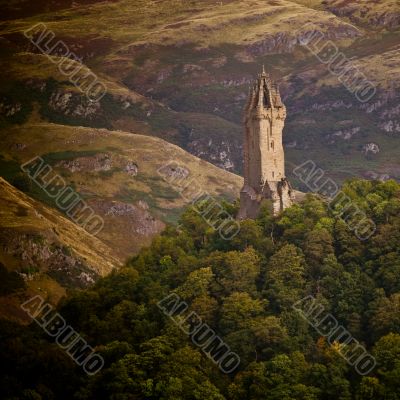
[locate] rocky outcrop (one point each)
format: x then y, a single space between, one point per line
331 105
376 176
100 162
136 217
344 134
131 168
285 42
9 109
40 254
220 153
75 105
370 148
390 120
174 172
39 243
390 126
374 14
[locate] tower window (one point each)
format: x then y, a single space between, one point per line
273 174
272 145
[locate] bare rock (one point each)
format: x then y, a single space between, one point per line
98 162
74 105
344 134
131 168
8 109
370 148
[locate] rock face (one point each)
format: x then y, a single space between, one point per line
74 105
60 262
48 251
137 216
370 148
218 152
264 159
344 134
99 162
8 110
372 13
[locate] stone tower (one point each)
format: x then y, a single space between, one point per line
264 158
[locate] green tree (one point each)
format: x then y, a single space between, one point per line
234 271
285 277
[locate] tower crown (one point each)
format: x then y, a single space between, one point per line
264 94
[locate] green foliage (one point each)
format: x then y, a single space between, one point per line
244 290
285 273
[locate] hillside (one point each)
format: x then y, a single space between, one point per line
49 252
181 71
116 174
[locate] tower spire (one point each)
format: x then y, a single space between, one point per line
263 73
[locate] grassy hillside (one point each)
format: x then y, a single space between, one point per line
164 22
181 71
47 251
116 173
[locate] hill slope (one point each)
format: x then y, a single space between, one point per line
181 71
50 252
116 174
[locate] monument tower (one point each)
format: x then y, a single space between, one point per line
264 158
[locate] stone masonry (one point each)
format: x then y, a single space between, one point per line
264 158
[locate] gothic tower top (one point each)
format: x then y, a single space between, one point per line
264 95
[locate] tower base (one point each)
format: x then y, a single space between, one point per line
279 192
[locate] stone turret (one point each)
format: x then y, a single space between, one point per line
264 159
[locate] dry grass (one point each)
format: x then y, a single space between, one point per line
23 66
381 69
22 217
170 22
22 214
149 153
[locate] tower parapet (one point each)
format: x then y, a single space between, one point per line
264 159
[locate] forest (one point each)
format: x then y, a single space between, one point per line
244 289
